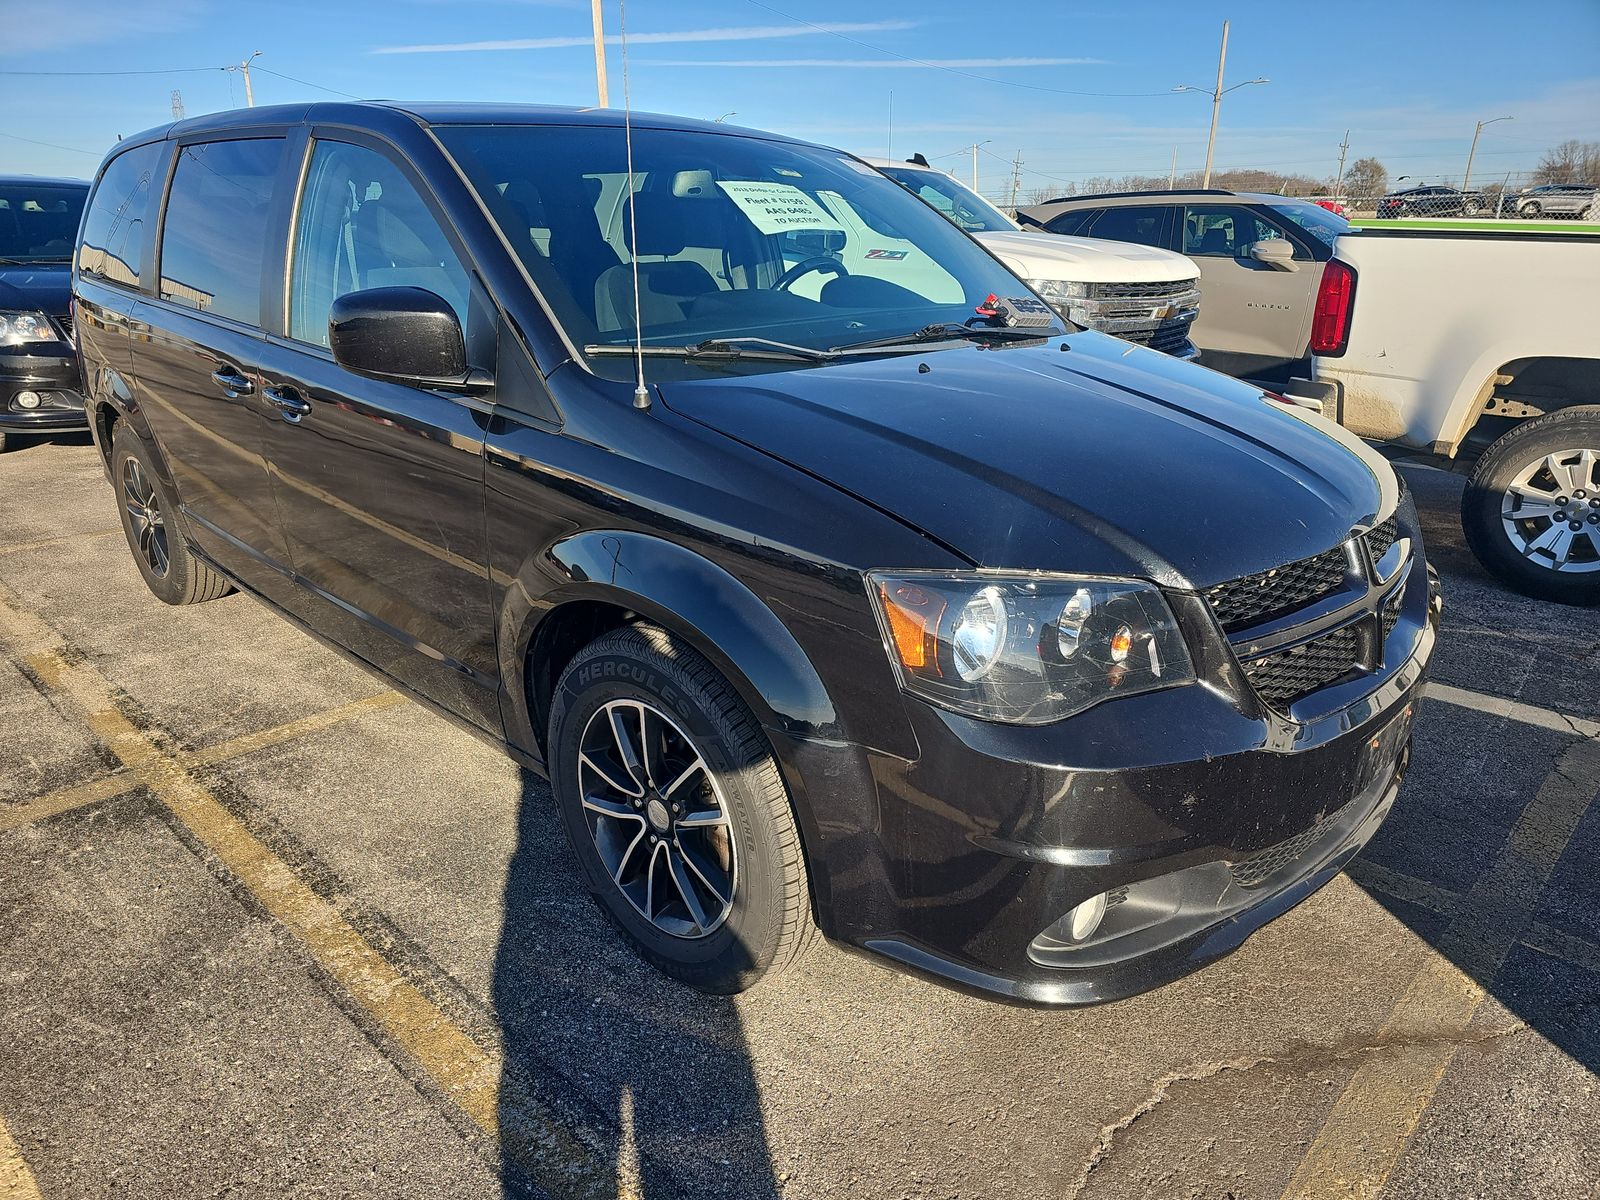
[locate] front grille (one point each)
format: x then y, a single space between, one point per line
1170 337
1141 291
1258 868
1282 678
1391 612
1252 599
1381 537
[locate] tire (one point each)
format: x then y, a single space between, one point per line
642 673
2 443
152 526
1471 208
1537 469
1531 209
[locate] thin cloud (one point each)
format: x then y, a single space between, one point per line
744 33
956 63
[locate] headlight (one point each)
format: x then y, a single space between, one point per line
1059 291
19 327
1027 649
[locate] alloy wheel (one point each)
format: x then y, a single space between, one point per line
1551 511
657 817
144 513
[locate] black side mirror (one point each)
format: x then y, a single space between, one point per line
403 334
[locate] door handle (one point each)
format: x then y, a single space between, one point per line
231 382
289 401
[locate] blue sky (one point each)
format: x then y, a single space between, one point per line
1408 78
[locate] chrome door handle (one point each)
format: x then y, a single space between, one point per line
290 402
231 382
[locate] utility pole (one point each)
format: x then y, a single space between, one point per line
177 105
1016 179
1344 148
600 54
1216 105
975 147
1471 154
889 153
244 69
1172 175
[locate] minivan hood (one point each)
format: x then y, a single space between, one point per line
1085 260
40 287
1107 458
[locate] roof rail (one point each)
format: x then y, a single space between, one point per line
1150 192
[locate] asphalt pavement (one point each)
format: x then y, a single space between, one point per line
269 929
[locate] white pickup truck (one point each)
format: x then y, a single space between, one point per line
1482 349
1142 294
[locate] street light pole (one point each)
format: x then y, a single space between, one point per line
1472 153
599 54
244 69
975 146
1216 105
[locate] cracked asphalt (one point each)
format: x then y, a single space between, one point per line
267 930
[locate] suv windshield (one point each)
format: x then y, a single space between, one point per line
39 221
1315 220
966 208
734 237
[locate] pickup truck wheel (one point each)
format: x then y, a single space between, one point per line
677 814
1531 511
151 522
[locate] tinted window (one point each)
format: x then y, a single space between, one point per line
362 225
1142 223
1224 230
216 226
967 209
38 221
113 231
1318 222
1072 222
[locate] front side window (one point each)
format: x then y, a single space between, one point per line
966 208
1224 230
1145 224
1073 222
733 237
214 237
113 230
1315 220
38 221
362 225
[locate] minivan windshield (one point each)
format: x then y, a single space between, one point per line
735 237
39 221
966 208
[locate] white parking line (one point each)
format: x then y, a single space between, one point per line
1528 714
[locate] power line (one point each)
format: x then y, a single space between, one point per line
172 71
53 145
308 83
1032 87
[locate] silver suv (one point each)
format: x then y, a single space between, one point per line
1559 199
1261 259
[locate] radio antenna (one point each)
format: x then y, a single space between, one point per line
641 394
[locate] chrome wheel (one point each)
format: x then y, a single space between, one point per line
1551 511
145 517
657 817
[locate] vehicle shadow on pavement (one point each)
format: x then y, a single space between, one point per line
657 1073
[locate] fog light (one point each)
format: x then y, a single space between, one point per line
26 400
1085 919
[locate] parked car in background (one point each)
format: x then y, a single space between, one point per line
845 611
1433 202
1558 199
1260 257
1336 207
1480 349
38 366
1139 293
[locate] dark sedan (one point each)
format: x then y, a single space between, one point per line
38 367
1432 202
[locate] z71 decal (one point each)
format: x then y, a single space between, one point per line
891 255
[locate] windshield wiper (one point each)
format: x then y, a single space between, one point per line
722 348
946 331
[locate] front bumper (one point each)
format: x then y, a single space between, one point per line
1203 818
53 377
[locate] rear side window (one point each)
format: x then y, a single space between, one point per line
1072 222
215 232
362 225
1145 224
113 230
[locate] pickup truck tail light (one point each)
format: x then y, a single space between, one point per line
1330 320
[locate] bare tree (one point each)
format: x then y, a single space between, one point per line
1040 195
1570 162
1366 178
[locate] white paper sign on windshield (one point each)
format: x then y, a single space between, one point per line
776 207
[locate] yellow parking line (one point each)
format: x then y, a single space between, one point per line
467 1073
95 791
1379 1109
16 1180
46 543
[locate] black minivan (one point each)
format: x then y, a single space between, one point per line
867 601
